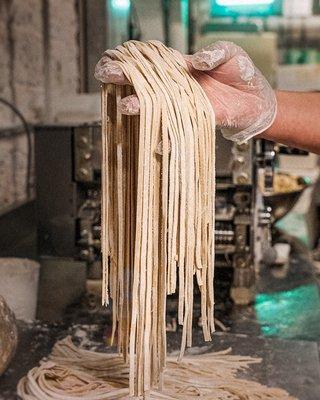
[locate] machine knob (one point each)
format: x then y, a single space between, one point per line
238 162
84 172
241 262
84 254
84 140
265 216
243 178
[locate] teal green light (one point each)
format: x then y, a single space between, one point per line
252 8
292 314
185 12
121 5
243 2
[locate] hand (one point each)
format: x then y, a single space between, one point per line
243 101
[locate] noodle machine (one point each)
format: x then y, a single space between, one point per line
68 176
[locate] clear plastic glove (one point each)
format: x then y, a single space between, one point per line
243 101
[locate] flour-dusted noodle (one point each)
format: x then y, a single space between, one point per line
157 232
73 374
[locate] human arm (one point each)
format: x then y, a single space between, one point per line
297 123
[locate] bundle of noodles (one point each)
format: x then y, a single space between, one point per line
158 192
74 374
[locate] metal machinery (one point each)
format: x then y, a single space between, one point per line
242 220
68 192
68 200
235 204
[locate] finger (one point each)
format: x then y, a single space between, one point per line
129 105
109 71
214 55
239 72
206 60
235 68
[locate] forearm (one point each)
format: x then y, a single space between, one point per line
297 123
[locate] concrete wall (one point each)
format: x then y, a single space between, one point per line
63 54
5 58
38 66
27 58
21 67
13 170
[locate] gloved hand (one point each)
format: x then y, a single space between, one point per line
243 101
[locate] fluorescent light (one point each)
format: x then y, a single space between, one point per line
244 2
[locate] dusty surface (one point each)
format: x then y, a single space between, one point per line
302 379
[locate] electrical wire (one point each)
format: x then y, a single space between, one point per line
29 143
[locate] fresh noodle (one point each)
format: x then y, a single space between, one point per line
73 374
158 190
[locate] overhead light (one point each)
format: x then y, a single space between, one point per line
243 2
121 5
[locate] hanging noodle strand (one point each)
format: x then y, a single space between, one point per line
158 205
